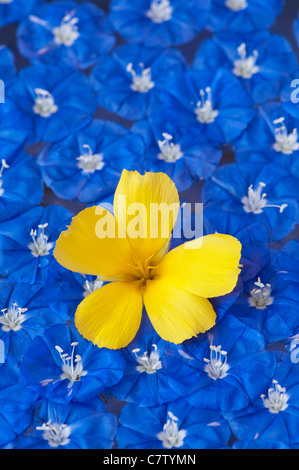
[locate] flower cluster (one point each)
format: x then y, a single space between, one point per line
107 344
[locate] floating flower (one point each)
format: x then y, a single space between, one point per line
15 131
65 32
7 63
56 99
129 81
174 426
14 10
156 22
173 286
87 165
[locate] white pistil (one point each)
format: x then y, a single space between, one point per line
44 103
13 317
171 436
216 367
89 162
148 363
256 202
246 66
277 398
67 33
90 287
160 11
56 434
170 152
3 165
40 245
260 298
285 143
143 82
72 367
236 5
204 108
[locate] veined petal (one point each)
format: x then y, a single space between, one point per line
80 249
146 207
207 266
175 314
110 316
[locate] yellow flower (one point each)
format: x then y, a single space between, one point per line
173 286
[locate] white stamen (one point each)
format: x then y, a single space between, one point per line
236 5
285 143
56 434
89 162
40 245
171 436
44 103
3 165
260 298
216 367
204 108
67 32
246 66
13 317
143 82
6 1
277 398
160 11
92 286
256 202
148 363
169 151
72 368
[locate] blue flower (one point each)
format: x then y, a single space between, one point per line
263 193
21 187
14 10
129 81
216 370
27 242
65 33
159 22
72 426
62 366
211 105
260 444
275 414
271 137
244 15
64 289
286 261
269 304
24 314
56 99
262 61
9 368
172 150
145 380
7 63
87 165
15 130
15 413
176 425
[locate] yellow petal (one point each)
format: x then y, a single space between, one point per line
208 267
111 315
80 249
146 207
175 314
